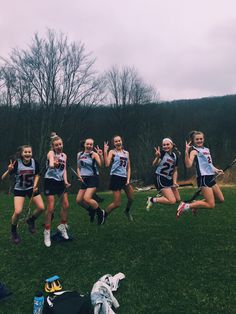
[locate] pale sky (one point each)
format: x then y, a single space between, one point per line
183 48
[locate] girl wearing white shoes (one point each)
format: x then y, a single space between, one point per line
56 183
197 153
166 161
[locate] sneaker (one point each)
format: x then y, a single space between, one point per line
15 237
148 204
92 213
31 225
63 231
128 215
101 216
180 209
47 238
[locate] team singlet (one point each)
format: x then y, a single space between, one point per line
56 173
24 176
167 165
203 160
87 164
120 163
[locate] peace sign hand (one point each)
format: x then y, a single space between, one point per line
11 165
187 146
98 150
106 147
157 151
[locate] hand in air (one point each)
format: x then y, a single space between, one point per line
98 150
187 146
157 151
11 165
106 146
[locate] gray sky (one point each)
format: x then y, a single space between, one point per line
184 48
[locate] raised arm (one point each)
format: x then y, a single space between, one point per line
189 157
100 159
107 156
9 169
158 155
52 163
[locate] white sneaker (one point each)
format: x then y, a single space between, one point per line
148 204
63 231
47 238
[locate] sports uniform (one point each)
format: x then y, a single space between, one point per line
204 167
119 170
165 169
54 177
24 177
88 170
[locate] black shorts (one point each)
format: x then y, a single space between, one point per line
24 193
53 187
162 182
117 183
206 181
89 182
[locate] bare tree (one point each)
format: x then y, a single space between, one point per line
125 87
53 73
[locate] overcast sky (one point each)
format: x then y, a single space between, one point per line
184 48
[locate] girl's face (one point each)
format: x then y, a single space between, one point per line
117 142
88 145
27 154
167 146
198 140
58 146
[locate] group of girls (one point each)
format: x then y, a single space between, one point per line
166 162
89 159
26 171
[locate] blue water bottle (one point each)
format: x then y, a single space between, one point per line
38 302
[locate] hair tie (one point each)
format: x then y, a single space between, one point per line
167 139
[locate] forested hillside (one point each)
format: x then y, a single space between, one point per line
141 126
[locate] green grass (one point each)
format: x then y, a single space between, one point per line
184 266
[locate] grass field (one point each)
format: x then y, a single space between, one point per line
184 266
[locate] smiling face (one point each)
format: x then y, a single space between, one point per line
117 141
88 145
167 146
57 145
198 139
26 154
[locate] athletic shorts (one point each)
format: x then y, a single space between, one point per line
162 182
89 182
117 183
53 187
24 193
206 181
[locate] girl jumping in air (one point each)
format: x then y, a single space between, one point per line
56 183
166 161
26 172
120 174
197 153
87 170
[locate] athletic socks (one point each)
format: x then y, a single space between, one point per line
13 228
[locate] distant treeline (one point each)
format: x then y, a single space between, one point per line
141 126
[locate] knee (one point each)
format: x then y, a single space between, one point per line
86 199
117 204
78 200
211 205
221 200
